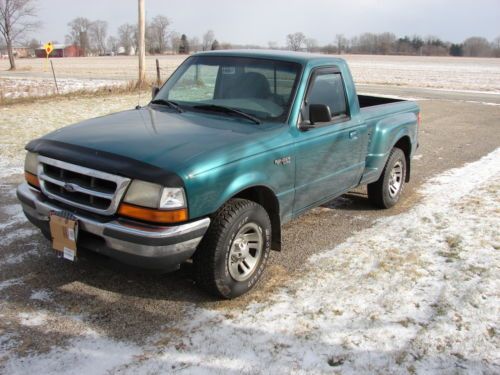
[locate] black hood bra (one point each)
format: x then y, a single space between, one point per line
104 161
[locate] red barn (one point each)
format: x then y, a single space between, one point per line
60 50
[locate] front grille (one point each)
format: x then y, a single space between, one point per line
81 187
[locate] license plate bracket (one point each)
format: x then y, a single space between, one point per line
64 233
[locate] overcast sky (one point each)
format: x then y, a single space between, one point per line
261 21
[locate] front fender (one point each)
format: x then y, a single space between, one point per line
207 192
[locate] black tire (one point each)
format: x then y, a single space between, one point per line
381 192
212 258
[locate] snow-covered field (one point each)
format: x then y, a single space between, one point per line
450 73
418 292
462 74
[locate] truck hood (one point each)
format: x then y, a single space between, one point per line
178 142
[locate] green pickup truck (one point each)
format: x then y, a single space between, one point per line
231 147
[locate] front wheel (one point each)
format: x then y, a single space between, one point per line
386 191
233 253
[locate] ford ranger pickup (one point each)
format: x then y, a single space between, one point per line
231 147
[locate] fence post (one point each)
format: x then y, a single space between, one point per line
54 75
158 78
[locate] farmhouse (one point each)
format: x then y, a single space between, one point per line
18 52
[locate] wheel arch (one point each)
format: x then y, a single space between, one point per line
265 196
404 143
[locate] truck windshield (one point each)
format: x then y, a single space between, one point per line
261 88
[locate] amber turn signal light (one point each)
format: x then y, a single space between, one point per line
32 179
152 215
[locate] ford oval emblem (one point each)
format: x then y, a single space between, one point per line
70 188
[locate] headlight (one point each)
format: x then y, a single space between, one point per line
31 163
147 194
30 169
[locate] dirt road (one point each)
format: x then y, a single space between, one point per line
46 301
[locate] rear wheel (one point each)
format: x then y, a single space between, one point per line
233 253
386 191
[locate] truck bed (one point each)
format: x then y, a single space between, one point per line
370 101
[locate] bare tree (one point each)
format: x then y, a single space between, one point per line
496 46
17 19
311 45
98 31
126 35
341 41
33 44
385 43
194 44
175 41
295 41
79 33
367 43
272 44
112 44
477 46
208 39
158 33
329 49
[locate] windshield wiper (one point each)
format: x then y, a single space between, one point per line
168 103
228 110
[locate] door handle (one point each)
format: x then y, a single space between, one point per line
353 134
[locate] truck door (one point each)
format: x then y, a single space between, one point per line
329 156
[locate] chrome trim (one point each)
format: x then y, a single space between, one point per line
121 185
76 187
43 208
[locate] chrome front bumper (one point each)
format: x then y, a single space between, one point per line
149 246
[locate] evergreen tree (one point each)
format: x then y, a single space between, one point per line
184 45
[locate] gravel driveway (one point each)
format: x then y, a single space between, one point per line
46 302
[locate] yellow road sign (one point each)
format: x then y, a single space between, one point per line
48 47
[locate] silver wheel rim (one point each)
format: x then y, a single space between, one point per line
245 252
396 179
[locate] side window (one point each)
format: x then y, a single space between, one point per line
328 89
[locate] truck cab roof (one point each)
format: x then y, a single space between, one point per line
303 58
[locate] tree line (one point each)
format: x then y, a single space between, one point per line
388 43
92 38
18 18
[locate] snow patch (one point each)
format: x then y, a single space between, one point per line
10 282
483 103
91 354
43 295
11 236
32 319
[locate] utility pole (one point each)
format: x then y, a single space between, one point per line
142 47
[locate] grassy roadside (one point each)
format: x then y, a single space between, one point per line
129 87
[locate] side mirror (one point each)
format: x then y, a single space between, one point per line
154 91
319 113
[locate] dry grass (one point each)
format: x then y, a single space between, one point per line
129 87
